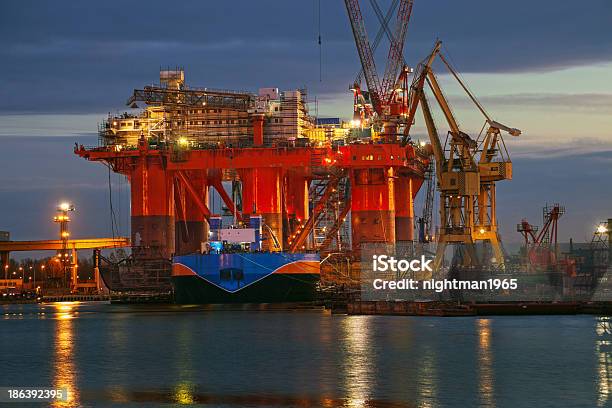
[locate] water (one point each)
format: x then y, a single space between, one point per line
109 355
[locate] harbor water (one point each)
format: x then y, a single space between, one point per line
150 355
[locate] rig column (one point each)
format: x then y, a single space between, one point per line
296 199
261 194
191 227
404 209
152 193
372 206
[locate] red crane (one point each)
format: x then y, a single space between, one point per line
387 101
541 249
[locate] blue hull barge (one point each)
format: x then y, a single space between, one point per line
245 277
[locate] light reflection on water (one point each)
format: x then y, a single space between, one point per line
427 378
108 355
65 372
485 363
184 390
358 366
603 350
118 342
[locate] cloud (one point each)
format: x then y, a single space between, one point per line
588 102
67 56
115 47
553 148
45 185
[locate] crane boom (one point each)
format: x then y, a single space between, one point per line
384 29
381 93
365 52
418 81
512 131
396 50
432 131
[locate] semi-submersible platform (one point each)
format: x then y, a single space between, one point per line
296 185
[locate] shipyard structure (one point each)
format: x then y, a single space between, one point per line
293 185
305 197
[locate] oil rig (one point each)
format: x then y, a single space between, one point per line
305 184
190 142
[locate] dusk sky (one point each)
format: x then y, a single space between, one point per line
542 66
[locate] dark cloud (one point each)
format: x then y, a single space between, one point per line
537 148
84 56
584 103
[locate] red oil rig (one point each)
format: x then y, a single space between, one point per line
303 184
189 142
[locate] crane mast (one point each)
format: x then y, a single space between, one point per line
396 54
388 97
366 56
458 181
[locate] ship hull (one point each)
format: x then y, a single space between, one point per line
281 288
245 278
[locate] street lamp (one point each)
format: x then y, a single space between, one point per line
42 269
63 219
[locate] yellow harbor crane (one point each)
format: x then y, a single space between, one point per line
466 169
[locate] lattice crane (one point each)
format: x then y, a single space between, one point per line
388 100
541 247
466 169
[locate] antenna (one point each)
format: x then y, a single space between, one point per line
320 47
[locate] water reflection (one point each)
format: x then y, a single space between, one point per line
64 375
358 367
183 393
184 390
485 363
603 348
427 377
363 360
118 343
